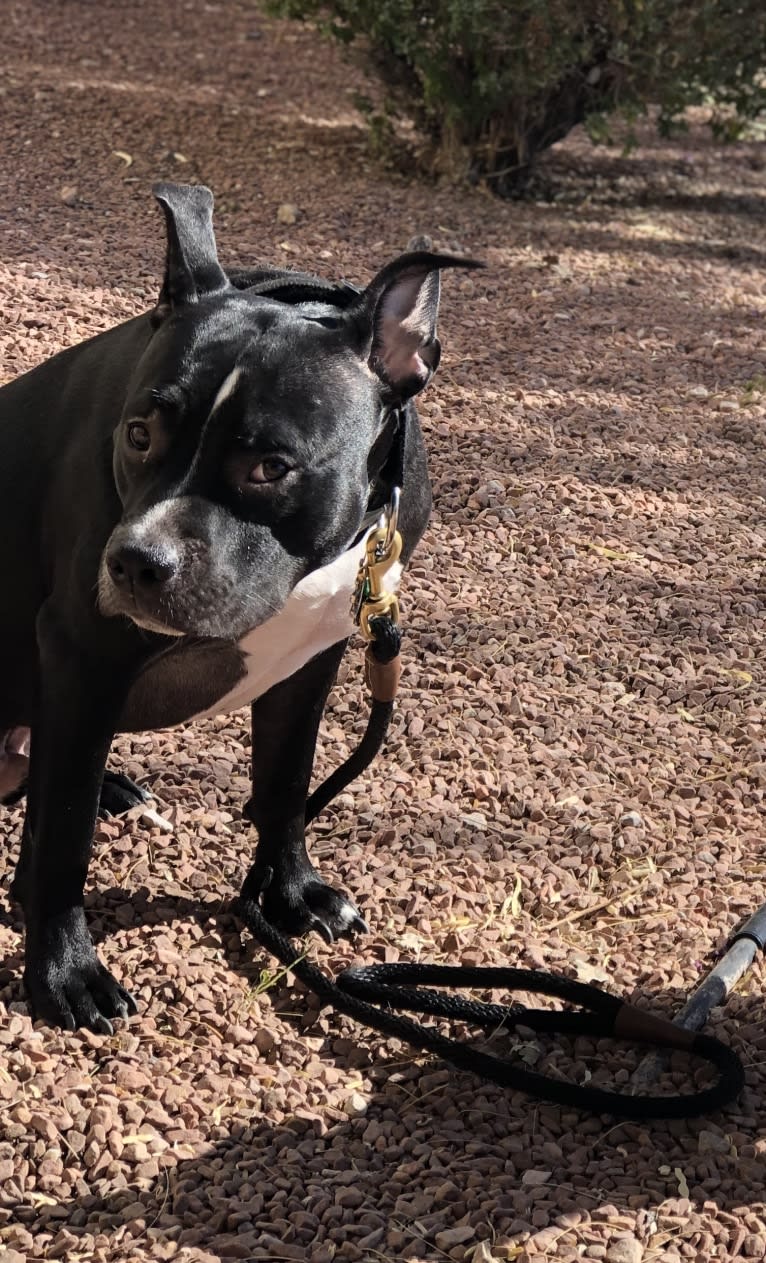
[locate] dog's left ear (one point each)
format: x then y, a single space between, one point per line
191 267
396 319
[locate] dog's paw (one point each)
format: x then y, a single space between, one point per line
66 983
298 904
120 794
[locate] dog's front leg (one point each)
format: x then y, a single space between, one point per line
283 880
76 714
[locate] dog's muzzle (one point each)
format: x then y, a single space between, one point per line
133 580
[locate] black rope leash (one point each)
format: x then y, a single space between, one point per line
385 649
370 994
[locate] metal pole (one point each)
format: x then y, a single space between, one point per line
712 991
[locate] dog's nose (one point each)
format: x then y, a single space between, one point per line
142 565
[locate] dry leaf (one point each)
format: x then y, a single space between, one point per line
612 554
410 941
483 1254
742 677
590 973
571 800
529 1053
512 903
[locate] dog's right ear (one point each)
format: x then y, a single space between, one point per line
394 320
191 267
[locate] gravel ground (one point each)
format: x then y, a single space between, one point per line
575 778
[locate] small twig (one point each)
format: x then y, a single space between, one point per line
585 912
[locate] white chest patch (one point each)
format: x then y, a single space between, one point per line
316 615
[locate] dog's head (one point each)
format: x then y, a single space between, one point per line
243 455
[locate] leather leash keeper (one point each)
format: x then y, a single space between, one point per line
382 678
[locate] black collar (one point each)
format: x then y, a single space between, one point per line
387 454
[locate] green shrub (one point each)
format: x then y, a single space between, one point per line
495 82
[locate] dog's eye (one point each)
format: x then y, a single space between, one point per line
139 436
270 469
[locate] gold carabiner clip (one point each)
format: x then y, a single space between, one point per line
382 551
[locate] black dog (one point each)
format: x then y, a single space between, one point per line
183 507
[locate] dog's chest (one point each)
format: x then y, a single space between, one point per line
317 614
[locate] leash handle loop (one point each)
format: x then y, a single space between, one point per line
371 994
